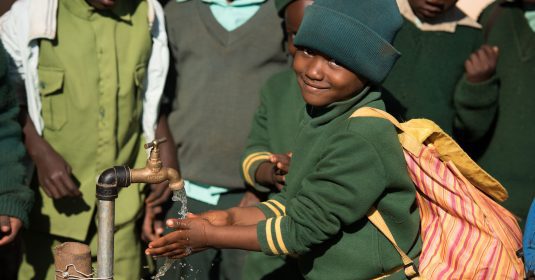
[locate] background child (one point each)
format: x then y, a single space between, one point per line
435 40
340 167
16 199
266 157
495 114
223 52
93 73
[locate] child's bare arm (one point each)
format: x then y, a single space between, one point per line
236 216
197 234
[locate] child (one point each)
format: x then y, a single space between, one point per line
16 199
93 73
340 167
223 51
266 157
495 114
435 39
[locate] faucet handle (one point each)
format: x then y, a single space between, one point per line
155 143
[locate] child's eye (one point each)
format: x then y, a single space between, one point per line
308 52
332 62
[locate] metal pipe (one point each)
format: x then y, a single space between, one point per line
108 185
106 222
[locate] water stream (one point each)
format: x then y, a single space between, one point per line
178 196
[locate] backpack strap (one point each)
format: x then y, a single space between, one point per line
408 142
377 220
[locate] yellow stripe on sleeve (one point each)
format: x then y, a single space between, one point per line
279 205
248 161
272 208
278 234
269 237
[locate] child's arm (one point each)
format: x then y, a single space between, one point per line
236 216
196 234
476 95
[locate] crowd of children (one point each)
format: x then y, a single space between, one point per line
257 120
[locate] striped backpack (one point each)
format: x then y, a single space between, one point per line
466 234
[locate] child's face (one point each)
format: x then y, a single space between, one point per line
429 9
322 81
293 15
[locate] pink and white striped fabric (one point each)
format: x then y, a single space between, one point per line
465 234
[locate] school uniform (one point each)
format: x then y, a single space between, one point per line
273 131
90 70
496 117
340 168
220 67
422 82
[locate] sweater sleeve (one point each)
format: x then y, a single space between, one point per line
258 147
347 181
476 106
16 199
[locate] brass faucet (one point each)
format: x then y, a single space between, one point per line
153 172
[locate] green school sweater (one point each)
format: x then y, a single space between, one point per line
499 124
340 168
16 200
273 130
274 125
422 82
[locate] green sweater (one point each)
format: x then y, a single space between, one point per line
499 123
16 199
275 123
340 168
422 82
218 80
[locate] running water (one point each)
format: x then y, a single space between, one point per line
178 195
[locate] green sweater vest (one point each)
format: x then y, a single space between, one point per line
219 75
422 82
15 199
340 168
499 124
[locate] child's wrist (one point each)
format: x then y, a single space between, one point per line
265 174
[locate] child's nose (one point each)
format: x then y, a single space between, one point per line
314 69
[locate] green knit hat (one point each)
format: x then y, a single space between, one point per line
281 6
355 33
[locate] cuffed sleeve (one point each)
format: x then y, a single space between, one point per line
249 166
274 207
258 147
476 107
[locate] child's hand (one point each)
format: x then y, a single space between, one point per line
281 164
189 237
214 217
481 64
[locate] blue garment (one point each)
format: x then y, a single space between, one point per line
529 240
232 15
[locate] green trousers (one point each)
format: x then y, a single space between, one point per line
38 256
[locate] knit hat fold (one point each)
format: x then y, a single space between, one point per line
356 34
